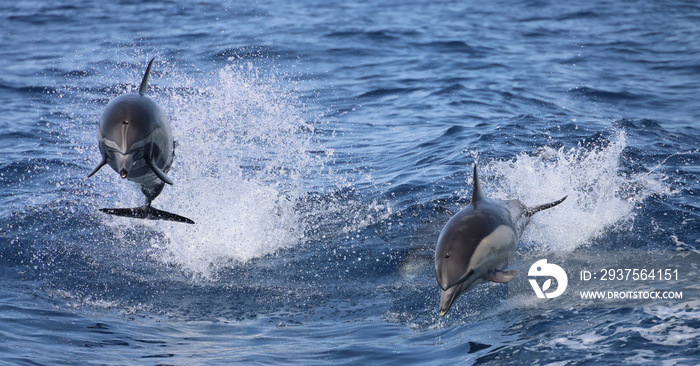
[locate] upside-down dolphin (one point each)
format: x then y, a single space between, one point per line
473 246
136 141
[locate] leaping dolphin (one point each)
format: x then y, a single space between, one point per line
136 141
473 246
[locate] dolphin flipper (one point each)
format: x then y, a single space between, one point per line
159 172
146 212
102 163
501 276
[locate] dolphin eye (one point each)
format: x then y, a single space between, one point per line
447 255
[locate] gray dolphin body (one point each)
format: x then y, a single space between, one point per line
473 246
135 140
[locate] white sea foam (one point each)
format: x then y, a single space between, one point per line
75 301
600 195
242 147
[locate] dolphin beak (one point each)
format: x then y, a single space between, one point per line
448 297
123 164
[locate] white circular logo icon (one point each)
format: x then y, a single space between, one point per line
543 269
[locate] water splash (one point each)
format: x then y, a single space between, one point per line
242 150
600 194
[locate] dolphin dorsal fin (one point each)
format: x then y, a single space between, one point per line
477 192
144 83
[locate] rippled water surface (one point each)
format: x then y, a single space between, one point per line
320 148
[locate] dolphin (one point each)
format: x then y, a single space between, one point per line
473 246
135 140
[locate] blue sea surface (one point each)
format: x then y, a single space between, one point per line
321 147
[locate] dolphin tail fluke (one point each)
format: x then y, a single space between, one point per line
531 211
144 83
146 212
102 163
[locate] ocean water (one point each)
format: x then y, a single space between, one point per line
320 148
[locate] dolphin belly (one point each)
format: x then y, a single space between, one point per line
492 251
